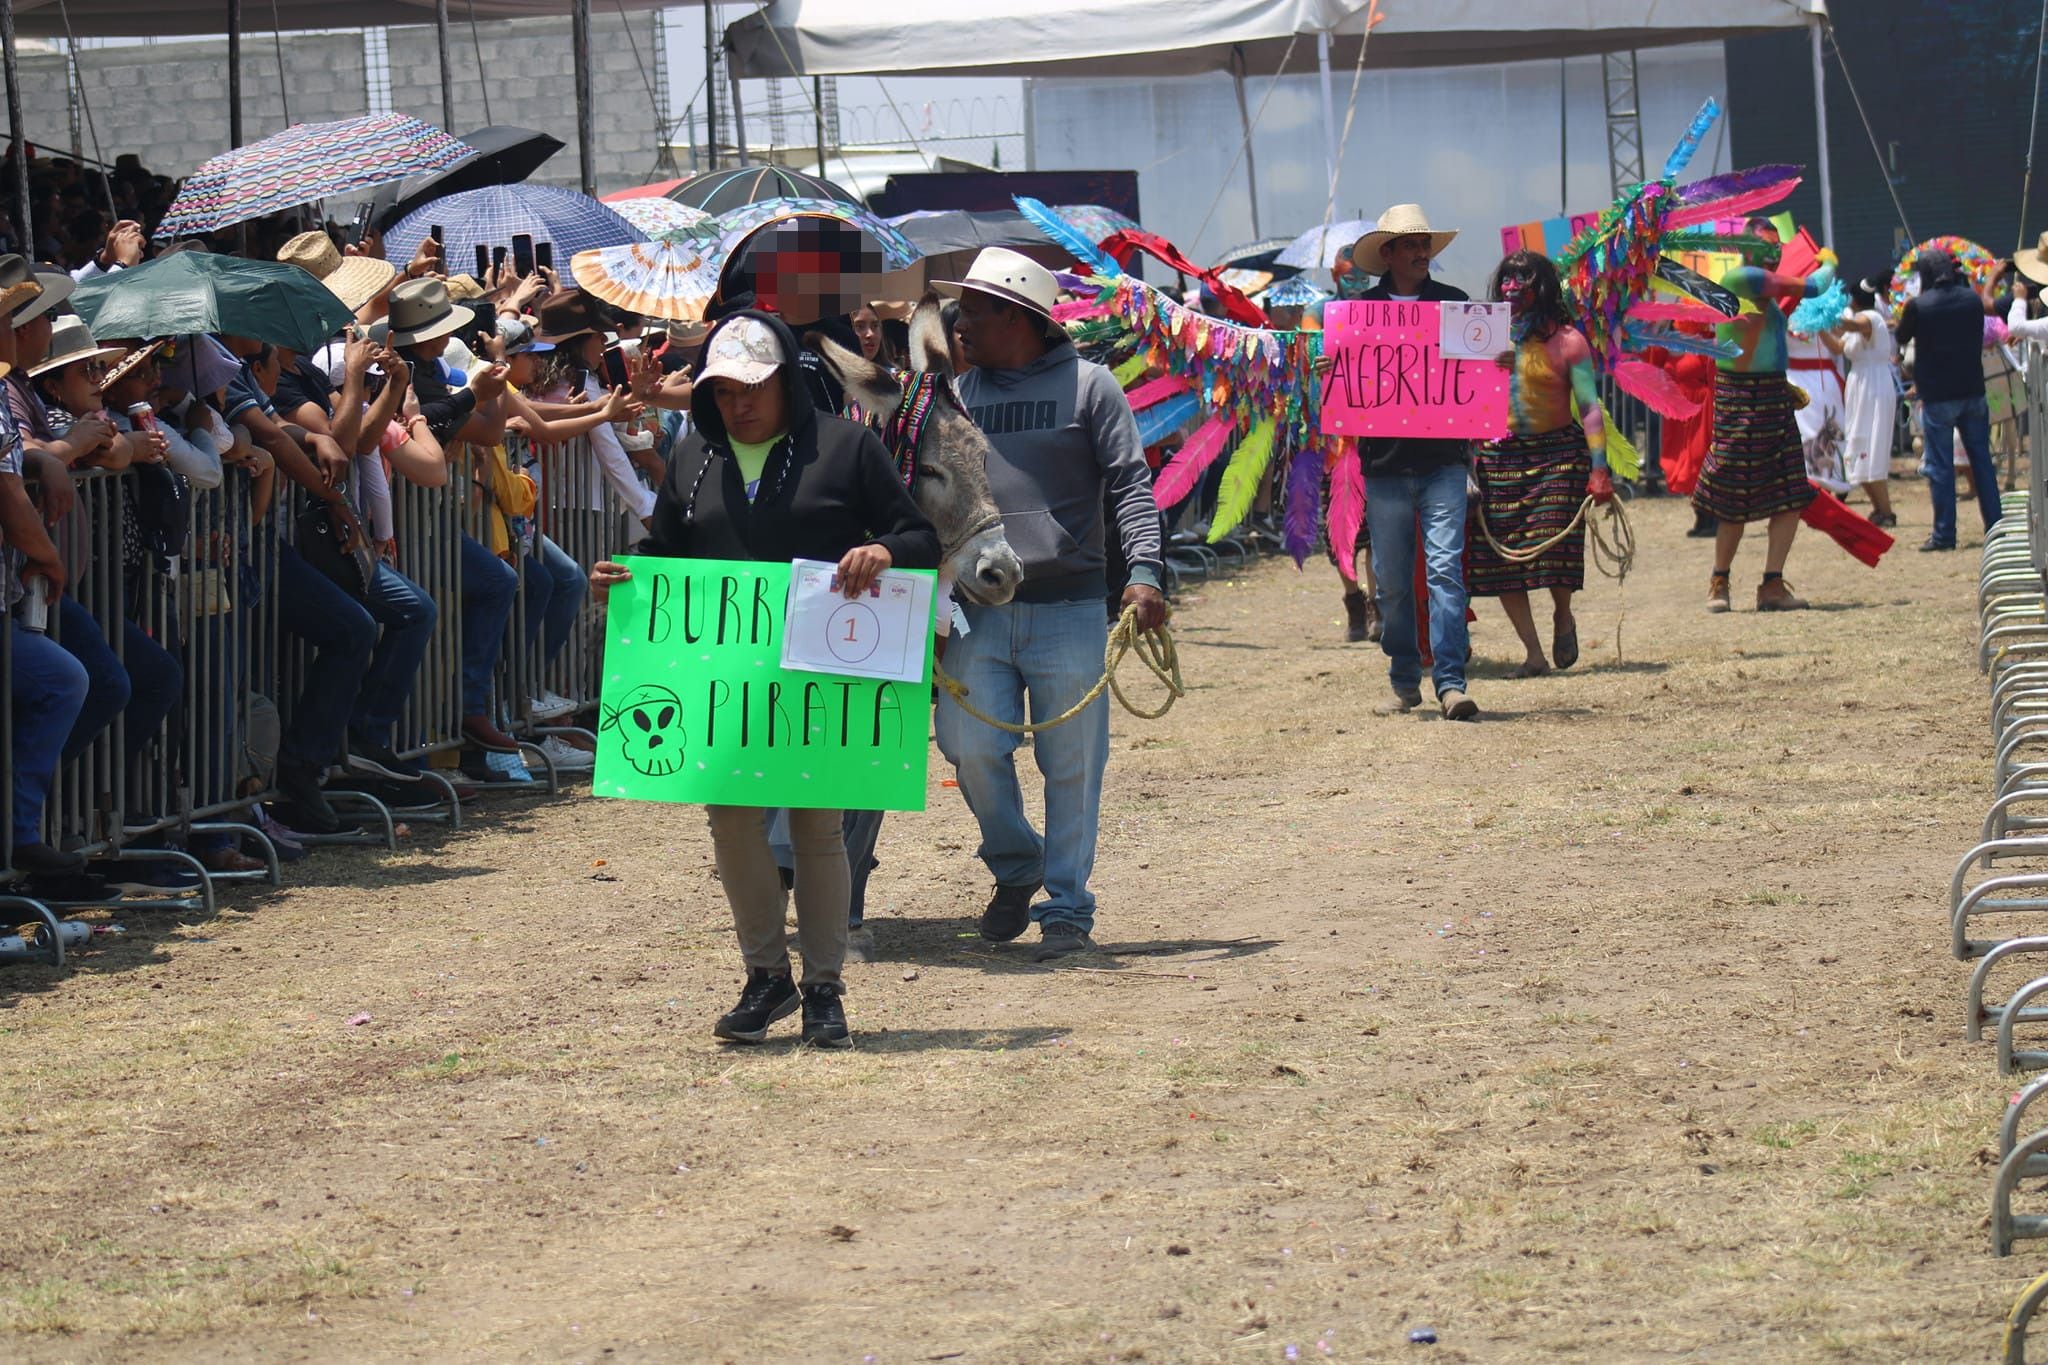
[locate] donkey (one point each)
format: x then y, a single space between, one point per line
942 453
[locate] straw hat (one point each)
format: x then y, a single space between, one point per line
2034 263
70 344
140 355
421 311
1402 220
355 280
57 286
1010 276
463 288
18 283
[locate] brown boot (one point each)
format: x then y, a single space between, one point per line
1374 626
1357 615
1775 594
1717 592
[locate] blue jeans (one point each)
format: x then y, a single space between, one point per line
489 588
554 594
353 666
1940 423
1392 504
146 686
49 692
1052 652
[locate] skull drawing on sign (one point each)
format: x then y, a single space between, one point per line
650 726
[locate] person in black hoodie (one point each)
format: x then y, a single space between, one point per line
765 476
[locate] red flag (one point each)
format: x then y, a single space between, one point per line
1861 537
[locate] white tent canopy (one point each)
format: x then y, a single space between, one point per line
1174 38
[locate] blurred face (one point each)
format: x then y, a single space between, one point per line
522 368
589 350
752 412
868 328
266 367
992 332
1773 249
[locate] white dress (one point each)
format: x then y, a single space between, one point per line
1812 368
1872 401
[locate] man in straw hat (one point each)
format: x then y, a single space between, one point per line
1411 483
47 685
1064 447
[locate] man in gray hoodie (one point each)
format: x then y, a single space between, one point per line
1065 446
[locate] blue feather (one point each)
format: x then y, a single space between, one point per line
1817 314
1689 145
1161 420
1641 336
1066 235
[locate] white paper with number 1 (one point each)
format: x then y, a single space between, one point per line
884 633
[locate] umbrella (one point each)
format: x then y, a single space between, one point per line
654 191
198 291
1095 221
305 162
666 218
720 192
669 278
1318 247
499 155
1245 281
1298 292
492 216
898 251
933 232
1259 255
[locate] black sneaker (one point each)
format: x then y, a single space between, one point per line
768 996
825 1017
307 807
1059 939
39 859
69 886
1009 911
376 759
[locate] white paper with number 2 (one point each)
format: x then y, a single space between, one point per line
883 633
1476 331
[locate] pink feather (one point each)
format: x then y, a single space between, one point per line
1156 391
1193 459
1645 381
1673 310
1347 511
1079 310
1734 206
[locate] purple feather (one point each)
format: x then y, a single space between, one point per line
1734 183
1304 499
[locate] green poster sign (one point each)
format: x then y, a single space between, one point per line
697 707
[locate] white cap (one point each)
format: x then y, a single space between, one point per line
744 350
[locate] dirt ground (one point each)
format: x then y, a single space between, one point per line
1619 1026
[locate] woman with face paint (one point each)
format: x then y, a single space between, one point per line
1533 483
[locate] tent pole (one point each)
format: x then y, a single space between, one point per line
17 145
818 114
447 80
739 117
1564 146
1244 119
586 157
710 86
1820 122
234 73
1329 111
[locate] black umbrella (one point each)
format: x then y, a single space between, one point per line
719 192
934 232
1259 256
505 155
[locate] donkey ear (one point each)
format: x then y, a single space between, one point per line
930 347
867 383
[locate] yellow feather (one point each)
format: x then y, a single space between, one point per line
1241 479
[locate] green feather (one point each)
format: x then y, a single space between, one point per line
1241 479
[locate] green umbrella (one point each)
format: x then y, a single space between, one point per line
198 291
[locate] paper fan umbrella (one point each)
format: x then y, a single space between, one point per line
1318 247
669 278
666 218
305 162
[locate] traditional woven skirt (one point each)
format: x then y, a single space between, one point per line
1756 466
1530 488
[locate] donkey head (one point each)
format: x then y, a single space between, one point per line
951 484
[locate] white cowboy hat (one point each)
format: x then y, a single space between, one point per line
355 280
2034 263
57 286
1010 276
1402 220
71 342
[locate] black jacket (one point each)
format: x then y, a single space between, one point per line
1392 455
1947 325
828 486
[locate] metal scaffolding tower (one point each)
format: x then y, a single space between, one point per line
1624 121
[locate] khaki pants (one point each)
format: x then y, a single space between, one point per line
753 887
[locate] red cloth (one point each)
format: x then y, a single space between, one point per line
1685 442
1123 245
1863 539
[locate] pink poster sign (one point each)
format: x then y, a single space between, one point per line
1389 377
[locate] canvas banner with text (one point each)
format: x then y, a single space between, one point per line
1389 375
697 706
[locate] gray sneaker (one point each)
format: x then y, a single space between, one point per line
1058 939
